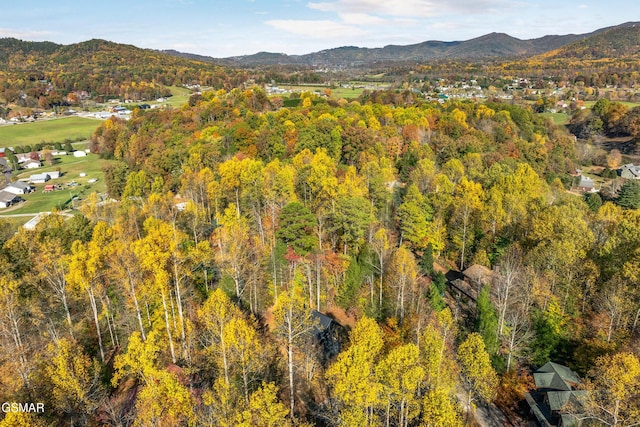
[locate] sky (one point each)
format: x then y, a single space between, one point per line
242 27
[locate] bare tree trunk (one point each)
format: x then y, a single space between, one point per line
166 321
94 308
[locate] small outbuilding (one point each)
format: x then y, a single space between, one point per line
39 178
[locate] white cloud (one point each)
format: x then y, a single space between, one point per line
24 34
362 19
320 29
409 8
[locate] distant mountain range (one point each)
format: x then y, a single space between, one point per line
489 46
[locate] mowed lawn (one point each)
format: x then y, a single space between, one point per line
72 183
54 130
559 119
180 96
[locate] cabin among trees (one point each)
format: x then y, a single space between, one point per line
327 333
555 401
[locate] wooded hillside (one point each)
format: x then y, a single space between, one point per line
187 297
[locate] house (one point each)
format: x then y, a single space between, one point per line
469 282
327 334
586 184
19 187
4 165
49 187
54 174
23 157
7 198
2 152
31 164
556 401
79 153
630 171
39 178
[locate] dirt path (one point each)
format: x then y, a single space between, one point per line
484 415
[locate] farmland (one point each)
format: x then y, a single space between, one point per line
73 184
55 130
351 90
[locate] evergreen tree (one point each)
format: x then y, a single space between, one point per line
629 196
296 228
594 201
426 261
436 291
487 321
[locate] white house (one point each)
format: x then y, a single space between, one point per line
31 164
6 198
39 178
79 153
54 174
18 187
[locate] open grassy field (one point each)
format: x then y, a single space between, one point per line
55 130
558 118
630 105
180 96
336 92
71 181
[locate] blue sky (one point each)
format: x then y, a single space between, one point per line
239 27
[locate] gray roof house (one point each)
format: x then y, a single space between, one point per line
630 171
19 187
7 198
556 401
586 184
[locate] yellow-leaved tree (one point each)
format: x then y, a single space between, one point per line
74 380
162 400
480 378
401 375
613 390
265 409
352 376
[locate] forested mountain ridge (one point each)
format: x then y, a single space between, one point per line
42 74
489 46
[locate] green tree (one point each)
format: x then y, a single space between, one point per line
350 219
629 196
487 321
414 215
296 226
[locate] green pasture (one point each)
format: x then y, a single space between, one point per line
558 118
628 104
180 96
71 181
54 130
336 92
